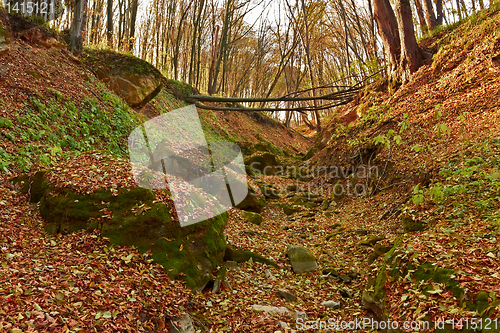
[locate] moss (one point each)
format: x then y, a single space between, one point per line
242 256
411 225
264 164
130 218
253 218
34 186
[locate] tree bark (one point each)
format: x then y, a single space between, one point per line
109 28
133 18
430 17
439 12
421 17
76 38
388 31
410 53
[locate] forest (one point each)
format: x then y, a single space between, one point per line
249 166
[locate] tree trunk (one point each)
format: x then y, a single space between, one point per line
430 17
388 31
109 33
133 18
76 39
410 53
421 17
439 12
214 60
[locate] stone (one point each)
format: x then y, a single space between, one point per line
264 164
302 259
411 225
370 241
182 325
325 204
232 254
254 218
219 280
278 310
289 209
346 293
287 296
133 79
331 304
253 202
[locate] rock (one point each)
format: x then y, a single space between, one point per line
182 325
331 304
370 241
252 202
338 192
345 278
325 204
346 293
34 186
289 209
411 225
190 253
254 218
378 250
131 78
262 164
219 280
232 265
302 259
278 310
269 192
287 296
269 275
242 256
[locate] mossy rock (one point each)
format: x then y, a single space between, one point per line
410 225
232 254
302 259
378 251
252 217
325 204
34 186
371 240
290 209
133 219
265 164
338 192
269 192
252 202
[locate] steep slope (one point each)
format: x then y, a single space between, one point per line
432 151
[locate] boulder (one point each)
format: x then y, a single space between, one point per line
254 218
131 78
265 164
132 216
253 202
301 258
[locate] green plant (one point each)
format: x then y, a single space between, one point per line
385 139
404 124
418 195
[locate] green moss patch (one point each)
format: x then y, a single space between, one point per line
131 217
